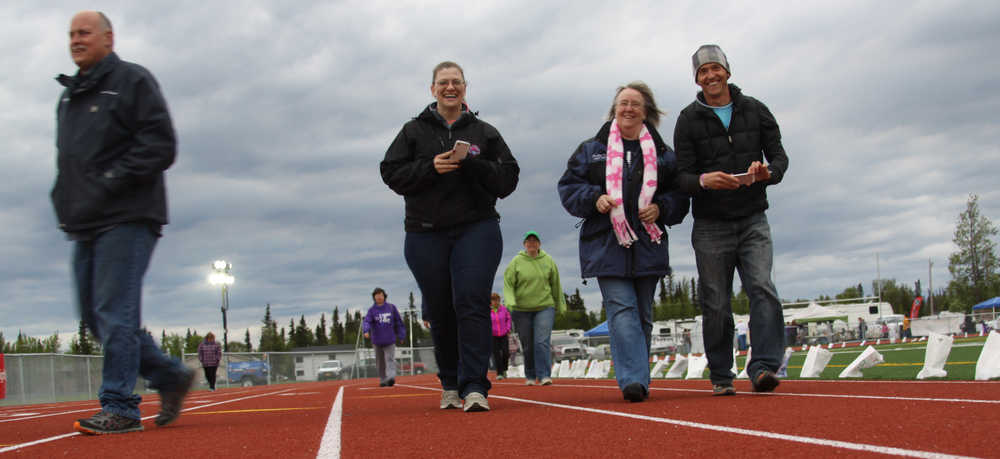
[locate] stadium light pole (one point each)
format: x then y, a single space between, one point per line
221 276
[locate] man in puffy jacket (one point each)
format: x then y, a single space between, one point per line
722 141
114 140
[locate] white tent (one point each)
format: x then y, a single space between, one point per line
813 313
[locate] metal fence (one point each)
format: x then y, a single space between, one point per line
44 378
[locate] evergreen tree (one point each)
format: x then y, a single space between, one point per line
82 344
303 336
3 344
246 342
974 266
337 328
321 339
191 342
269 340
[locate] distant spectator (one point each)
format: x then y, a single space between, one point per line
741 335
209 354
862 328
906 328
885 330
501 328
384 327
533 292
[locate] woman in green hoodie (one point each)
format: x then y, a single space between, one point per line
533 292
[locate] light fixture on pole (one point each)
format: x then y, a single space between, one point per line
221 276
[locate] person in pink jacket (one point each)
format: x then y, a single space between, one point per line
500 317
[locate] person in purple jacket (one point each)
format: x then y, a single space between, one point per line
384 327
500 317
210 353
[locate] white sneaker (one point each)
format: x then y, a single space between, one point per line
450 400
476 402
546 381
529 382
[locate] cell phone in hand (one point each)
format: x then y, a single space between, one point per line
461 150
745 178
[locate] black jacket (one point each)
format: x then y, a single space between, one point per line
114 140
469 194
704 145
585 180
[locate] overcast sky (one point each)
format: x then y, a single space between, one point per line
284 110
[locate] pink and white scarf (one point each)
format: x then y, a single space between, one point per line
614 170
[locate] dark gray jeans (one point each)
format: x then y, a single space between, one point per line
743 245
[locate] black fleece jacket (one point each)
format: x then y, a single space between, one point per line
440 201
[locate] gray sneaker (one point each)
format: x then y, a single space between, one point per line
450 400
546 382
476 402
171 401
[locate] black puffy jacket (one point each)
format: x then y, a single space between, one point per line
440 201
704 145
114 140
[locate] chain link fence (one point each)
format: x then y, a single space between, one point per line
45 378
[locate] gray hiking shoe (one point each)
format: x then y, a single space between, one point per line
450 400
104 423
476 402
723 389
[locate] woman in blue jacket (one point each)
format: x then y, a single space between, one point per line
622 183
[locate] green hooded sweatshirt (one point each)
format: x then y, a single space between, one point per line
532 284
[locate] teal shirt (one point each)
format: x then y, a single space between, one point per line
725 114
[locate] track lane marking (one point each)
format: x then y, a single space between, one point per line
793 394
259 410
73 434
329 446
733 430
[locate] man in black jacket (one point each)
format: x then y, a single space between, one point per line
722 140
114 140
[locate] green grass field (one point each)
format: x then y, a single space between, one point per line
902 361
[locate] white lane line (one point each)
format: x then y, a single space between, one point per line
735 430
793 394
73 434
329 447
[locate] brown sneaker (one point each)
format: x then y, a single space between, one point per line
171 401
765 381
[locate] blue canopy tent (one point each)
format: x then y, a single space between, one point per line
600 330
988 304
992 303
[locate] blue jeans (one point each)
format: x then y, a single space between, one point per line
454 269
720 246
534 329
108 272
628 303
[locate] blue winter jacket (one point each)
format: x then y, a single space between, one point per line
584 181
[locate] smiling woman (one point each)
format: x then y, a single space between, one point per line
622 183
453 242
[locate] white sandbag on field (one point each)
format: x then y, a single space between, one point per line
783 369
868 358
696 366
746 364
938 348
988 365
516 371
815 363
680 367
659 368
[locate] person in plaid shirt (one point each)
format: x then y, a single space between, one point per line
210 353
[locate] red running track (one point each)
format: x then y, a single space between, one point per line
573 418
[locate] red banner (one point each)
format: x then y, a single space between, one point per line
3 379
915 310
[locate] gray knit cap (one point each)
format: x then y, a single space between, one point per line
709 53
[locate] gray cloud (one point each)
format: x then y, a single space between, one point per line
284 111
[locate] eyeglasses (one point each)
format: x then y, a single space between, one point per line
629 103
445 83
